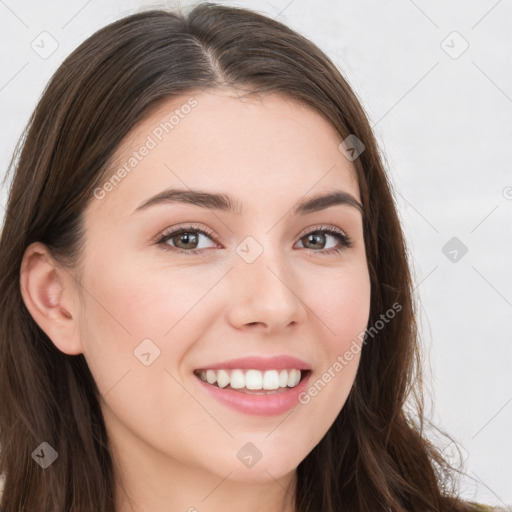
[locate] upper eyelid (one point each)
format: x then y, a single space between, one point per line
185 227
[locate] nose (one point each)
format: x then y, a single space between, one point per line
265 294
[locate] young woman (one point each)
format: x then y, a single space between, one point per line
206 303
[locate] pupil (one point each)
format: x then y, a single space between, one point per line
312 239
185 238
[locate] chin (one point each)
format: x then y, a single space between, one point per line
262 474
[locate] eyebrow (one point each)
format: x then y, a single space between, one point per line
224 202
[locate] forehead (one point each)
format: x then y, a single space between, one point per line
267 147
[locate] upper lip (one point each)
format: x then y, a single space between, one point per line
281 362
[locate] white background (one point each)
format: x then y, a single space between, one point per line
445 127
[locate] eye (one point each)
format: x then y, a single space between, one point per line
186 240
183 238
319 236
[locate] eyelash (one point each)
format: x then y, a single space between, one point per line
345 241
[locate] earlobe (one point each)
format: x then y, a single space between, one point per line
48 294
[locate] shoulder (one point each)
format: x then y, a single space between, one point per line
478 507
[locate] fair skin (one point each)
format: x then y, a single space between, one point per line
175 446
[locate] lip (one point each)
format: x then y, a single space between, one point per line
255 404
282 362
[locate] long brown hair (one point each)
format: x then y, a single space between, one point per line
376 455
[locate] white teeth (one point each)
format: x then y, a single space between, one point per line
293 378
283 378
271 380
237 380
211 378
222 378
252 379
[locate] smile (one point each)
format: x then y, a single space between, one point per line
252 380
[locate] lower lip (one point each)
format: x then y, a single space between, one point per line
260 405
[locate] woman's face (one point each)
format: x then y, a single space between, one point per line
257 293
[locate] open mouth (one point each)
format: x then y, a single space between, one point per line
253 381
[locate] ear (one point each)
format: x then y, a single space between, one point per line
49 293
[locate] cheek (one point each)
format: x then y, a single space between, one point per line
342 307
341 300
128 303
133 361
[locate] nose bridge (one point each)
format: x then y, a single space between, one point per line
264 261
264 288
